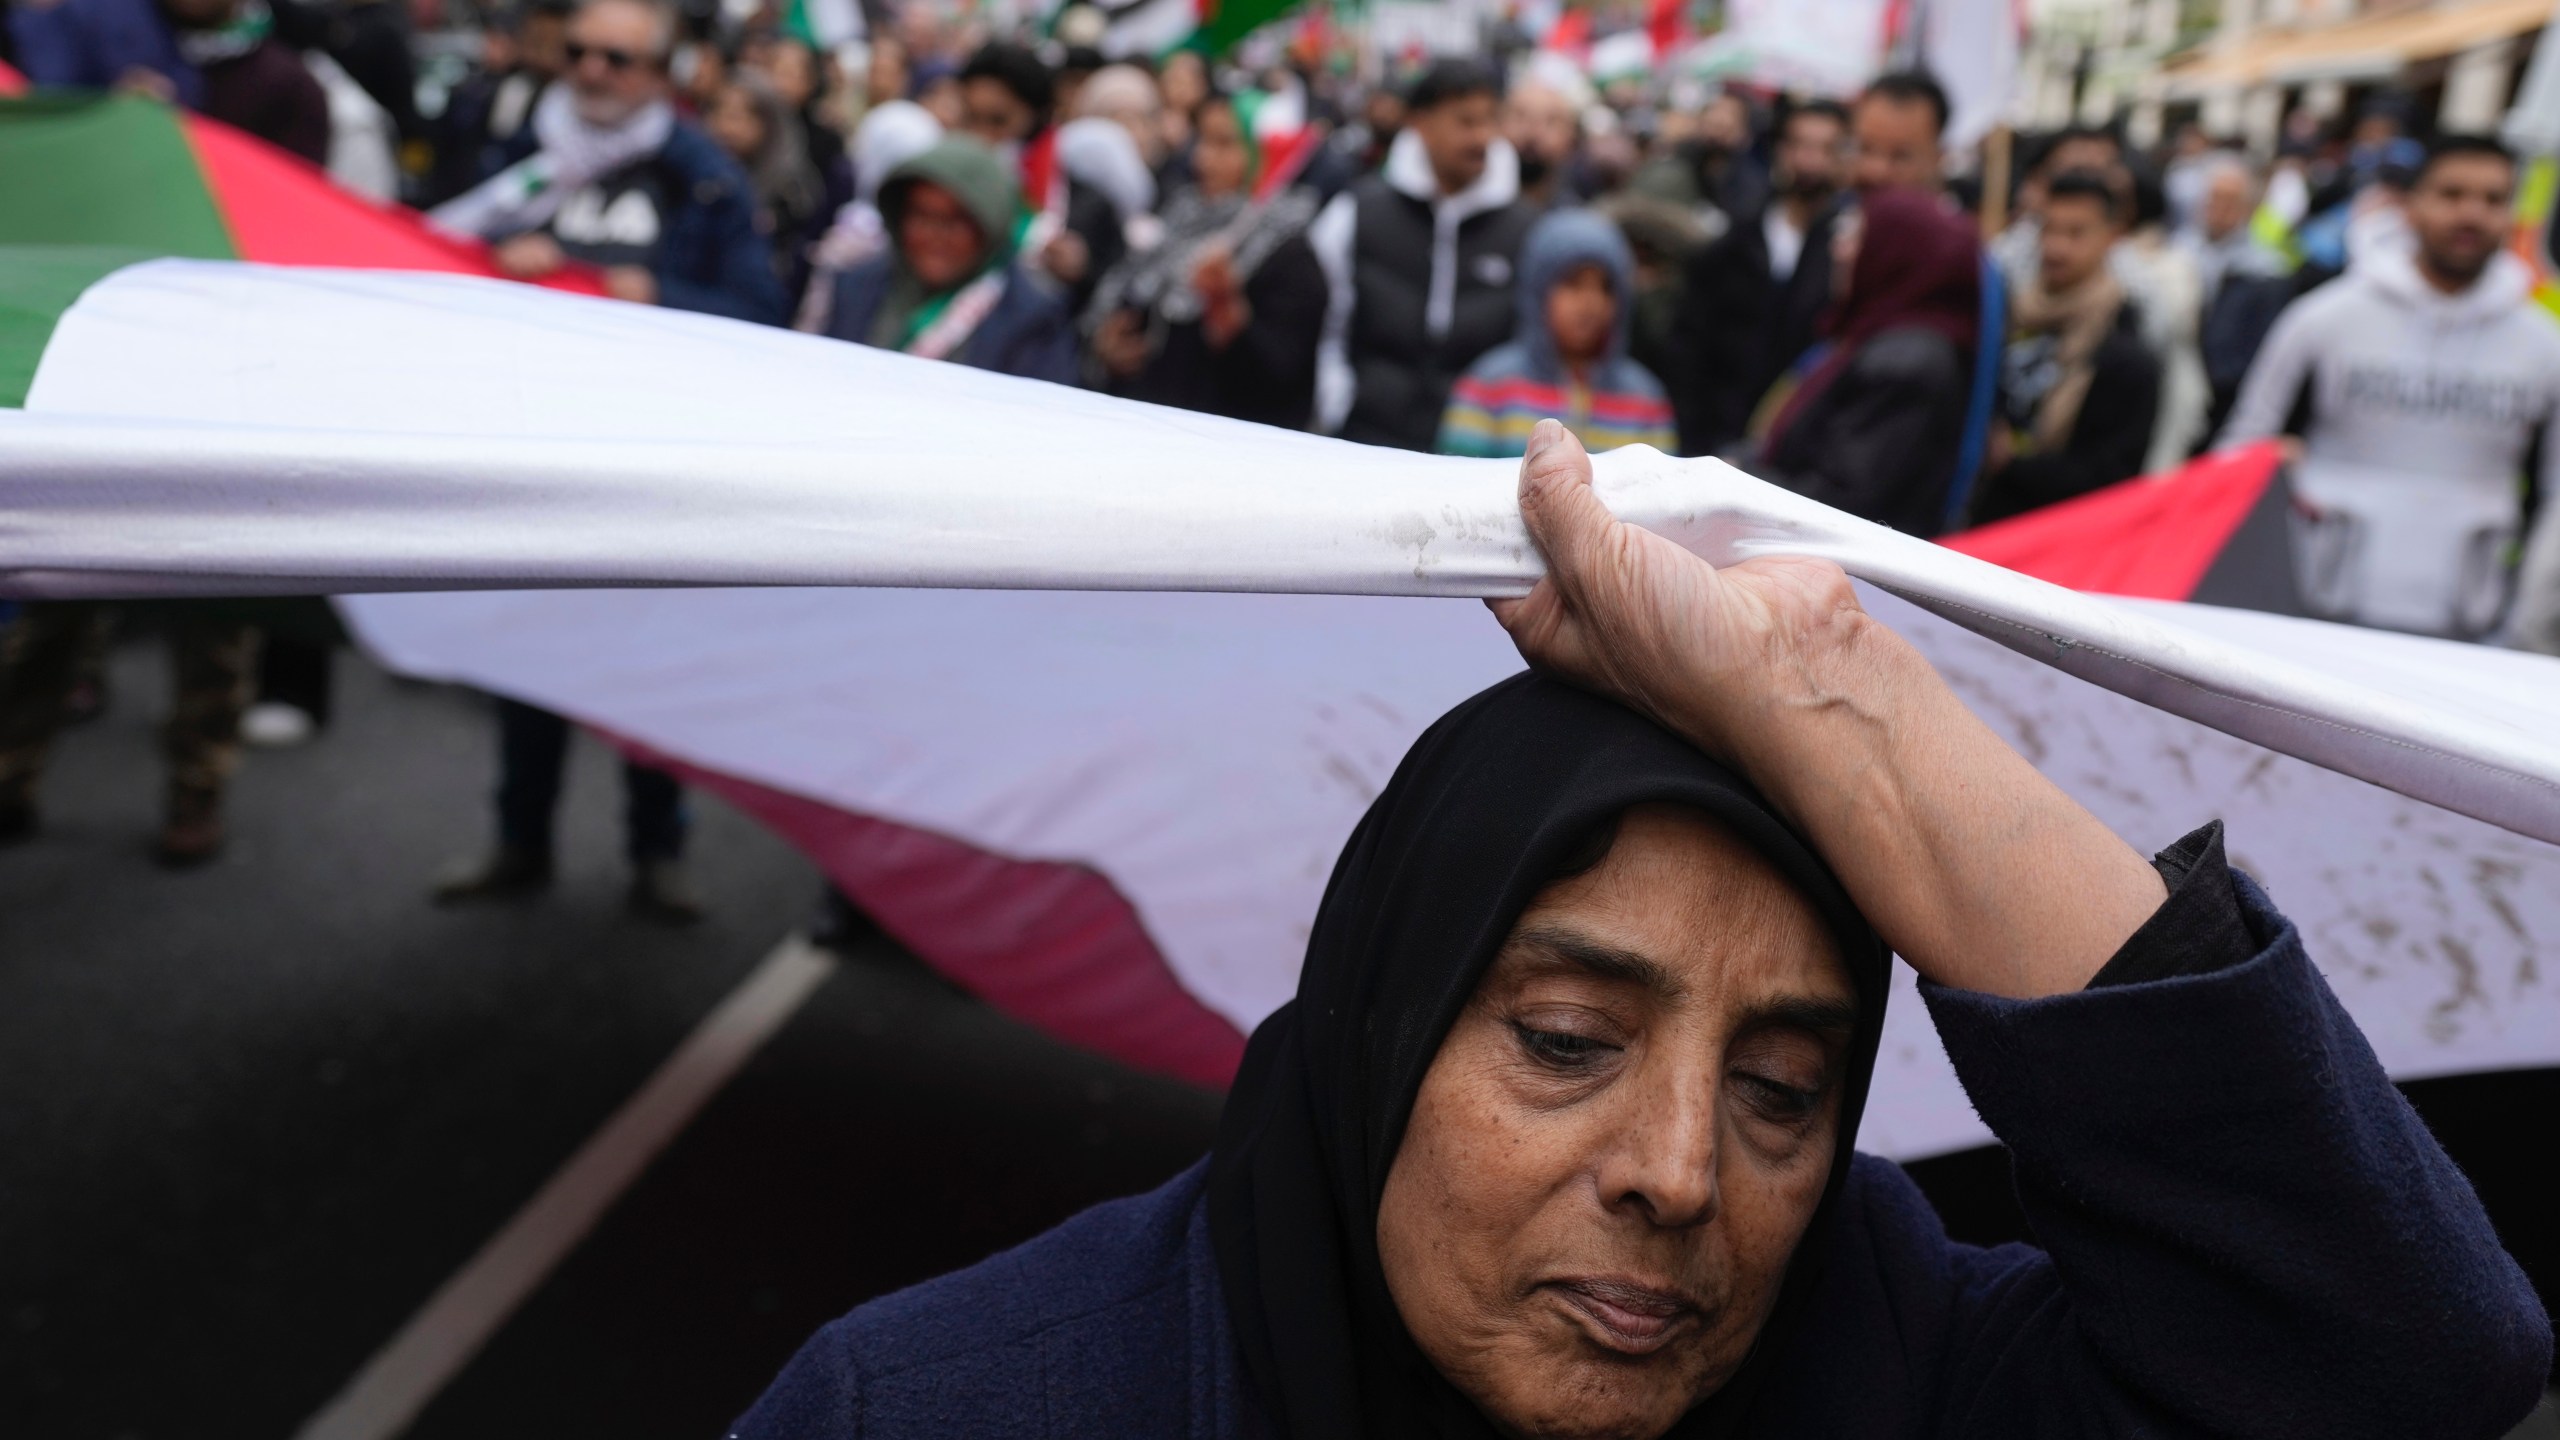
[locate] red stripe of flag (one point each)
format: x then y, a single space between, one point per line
282 210
2151 538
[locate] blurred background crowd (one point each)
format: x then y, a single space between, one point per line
1428 227
1940 263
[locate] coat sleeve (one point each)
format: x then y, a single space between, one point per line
2537 620
1712 341
2246 1229
2536 625
1330 237
295 113
818 1396
2275 379
734 274
1467 426
1046 347
1276 354
52 51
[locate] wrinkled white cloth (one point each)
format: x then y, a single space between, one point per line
576 442
201 426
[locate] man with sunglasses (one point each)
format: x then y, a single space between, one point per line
608 175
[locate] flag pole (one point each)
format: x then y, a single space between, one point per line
1995 181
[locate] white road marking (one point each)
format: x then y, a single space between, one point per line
387 1394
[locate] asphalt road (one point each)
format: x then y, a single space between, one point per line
251 1118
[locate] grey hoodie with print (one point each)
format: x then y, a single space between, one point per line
2424 407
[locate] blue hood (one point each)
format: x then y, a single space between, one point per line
1560 242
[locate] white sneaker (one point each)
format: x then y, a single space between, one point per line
274 725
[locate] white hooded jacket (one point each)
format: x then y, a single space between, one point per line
1407 168
2423 408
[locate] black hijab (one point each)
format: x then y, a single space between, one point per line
1487 808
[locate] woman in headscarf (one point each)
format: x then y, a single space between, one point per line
948 286
1555 1138
1874 428
1225 313
749 119
891 133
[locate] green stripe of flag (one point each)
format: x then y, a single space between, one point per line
88 185
1225 22
113 170
37 284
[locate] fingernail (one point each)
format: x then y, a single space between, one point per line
1541 436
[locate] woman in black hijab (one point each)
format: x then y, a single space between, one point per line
1519 793
1555 1139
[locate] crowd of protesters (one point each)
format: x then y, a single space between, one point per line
1425 253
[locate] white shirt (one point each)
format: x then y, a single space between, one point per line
1786 243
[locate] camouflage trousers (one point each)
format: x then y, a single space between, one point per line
213 662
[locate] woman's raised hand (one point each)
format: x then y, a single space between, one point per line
1973 866
1632 615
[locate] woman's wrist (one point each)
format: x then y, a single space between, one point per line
1800 703
1976 868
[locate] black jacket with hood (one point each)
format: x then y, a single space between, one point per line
1420 285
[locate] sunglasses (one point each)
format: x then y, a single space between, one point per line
614 59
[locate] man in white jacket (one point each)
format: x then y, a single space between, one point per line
1418 262
2426 378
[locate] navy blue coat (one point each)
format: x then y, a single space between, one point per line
90 44
1028 333
711 258
2247 1232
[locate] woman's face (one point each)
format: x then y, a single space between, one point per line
736 124
1622 1138
938 237
886 76
1219 159
1185 81
793 68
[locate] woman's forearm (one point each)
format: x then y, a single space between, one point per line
1978 870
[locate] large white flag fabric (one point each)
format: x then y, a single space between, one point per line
204 428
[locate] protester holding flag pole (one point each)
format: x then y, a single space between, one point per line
1225 313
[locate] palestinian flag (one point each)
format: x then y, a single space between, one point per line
1096 795
1158 27
2214 533
1282 138
90 184
825 25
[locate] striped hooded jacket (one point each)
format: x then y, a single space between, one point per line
1517 384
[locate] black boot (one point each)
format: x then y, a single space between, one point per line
192 834
17 813
660 891
506 873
